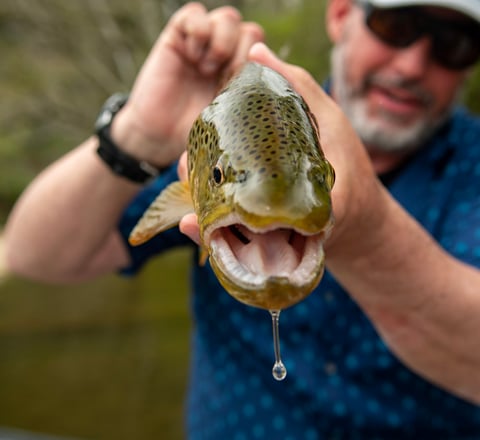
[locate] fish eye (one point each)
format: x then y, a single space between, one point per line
325 177
217 175
330 177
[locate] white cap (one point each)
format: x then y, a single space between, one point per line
467 7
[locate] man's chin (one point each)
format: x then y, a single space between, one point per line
387 136
388 132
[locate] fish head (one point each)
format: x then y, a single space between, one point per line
260 186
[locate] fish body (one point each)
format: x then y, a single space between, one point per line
260 186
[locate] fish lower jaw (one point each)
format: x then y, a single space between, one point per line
269 271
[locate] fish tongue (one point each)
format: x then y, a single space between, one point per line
269 254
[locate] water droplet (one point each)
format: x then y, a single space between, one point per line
279 371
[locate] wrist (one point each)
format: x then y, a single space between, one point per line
127 133
120 162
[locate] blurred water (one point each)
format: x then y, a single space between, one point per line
104 360
16 434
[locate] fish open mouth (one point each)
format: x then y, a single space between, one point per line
273 253
253 259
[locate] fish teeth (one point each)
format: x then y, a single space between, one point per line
222 252
267 256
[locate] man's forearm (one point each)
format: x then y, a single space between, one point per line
424 303
66 219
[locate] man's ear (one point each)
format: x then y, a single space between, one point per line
336 14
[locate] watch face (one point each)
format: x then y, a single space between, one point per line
109 110
104 118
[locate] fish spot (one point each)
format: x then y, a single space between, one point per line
242 176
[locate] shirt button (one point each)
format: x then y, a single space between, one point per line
330 368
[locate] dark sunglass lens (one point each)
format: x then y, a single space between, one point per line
396 27
456 49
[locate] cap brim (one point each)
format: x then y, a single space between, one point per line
470 8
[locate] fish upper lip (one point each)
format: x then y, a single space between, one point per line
235 219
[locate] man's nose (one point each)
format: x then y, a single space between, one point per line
413 61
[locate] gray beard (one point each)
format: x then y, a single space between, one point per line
383 133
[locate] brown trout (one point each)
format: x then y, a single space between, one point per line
260 186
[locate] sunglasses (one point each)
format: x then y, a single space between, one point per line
455 44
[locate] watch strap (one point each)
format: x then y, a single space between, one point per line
120 162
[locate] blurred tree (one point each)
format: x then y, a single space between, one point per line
60 60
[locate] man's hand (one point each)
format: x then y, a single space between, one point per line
194 55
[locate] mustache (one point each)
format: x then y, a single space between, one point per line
410 86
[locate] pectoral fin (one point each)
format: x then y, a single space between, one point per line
165 212
203 256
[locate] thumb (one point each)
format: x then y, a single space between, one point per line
301 80
296 75
320 103
261 54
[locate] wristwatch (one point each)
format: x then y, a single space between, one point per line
120 162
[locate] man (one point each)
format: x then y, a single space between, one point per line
387 346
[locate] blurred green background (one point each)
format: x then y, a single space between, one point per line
106 359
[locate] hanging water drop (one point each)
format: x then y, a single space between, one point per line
279 371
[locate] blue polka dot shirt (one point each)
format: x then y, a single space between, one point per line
343 382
